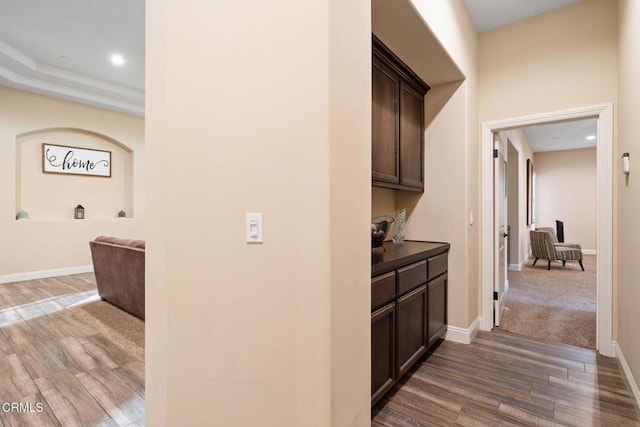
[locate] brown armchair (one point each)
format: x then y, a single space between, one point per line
543 246
119 268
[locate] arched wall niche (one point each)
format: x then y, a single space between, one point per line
47 196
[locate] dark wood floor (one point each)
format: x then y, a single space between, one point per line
63 371
506 379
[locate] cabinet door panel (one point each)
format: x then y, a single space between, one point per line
383 351
385 123
437 314
411 318
411 137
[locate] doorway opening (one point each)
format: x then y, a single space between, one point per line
548 298
604 118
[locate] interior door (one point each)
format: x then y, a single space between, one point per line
500 225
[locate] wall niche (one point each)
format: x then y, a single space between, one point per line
53 196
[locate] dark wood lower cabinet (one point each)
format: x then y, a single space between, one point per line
437 311
411 317
409 309
383 351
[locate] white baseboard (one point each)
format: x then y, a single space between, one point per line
32 275
589 251
617 351
518 267
462 335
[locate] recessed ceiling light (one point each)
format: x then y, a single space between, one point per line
117 59
591 137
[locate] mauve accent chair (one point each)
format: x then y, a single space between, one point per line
119 268
543 246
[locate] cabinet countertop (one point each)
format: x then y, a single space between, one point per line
398 255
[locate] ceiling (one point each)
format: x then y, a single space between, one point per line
487 15
570 135
62 48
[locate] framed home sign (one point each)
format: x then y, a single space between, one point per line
75 160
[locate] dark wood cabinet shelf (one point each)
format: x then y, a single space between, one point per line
397 122
409 308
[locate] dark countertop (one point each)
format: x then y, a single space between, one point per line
398 255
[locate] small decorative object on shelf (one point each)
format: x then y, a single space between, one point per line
79 212
22 215
398 227
380 226
122 214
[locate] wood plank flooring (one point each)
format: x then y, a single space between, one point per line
64 371
503 379
79 377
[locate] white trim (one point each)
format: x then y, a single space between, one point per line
32 275
617 350
518 267
589 251
604 150
462 335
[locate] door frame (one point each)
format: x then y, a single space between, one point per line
604 216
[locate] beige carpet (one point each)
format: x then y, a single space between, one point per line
125 330
558 305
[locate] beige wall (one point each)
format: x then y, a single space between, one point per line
513 207
267 110
441 213
54 196
52 239
452 164
566 191
628 291
562 59
383 201
519 141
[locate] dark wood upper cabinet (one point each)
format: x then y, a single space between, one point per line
397 122
385 123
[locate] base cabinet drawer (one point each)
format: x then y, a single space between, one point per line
383 350
411 320
383 289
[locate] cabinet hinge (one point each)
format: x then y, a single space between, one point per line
495 296
495 154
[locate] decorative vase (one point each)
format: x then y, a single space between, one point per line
399 226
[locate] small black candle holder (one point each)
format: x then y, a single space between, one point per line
79 212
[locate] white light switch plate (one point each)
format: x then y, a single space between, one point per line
254 227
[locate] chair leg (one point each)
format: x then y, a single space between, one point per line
549 265
564 263
534 262
581 266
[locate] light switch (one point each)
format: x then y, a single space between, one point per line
254 227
